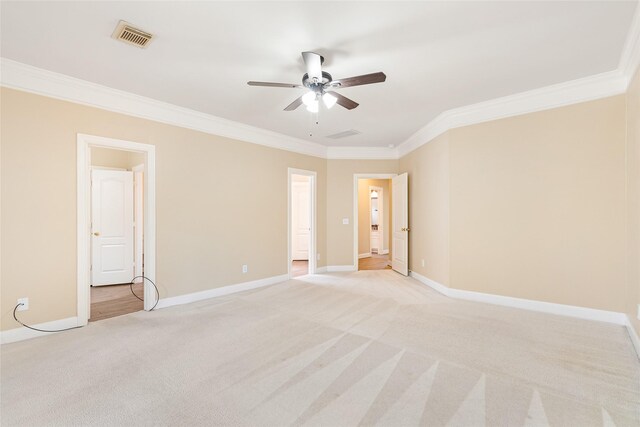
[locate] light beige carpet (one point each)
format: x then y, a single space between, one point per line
366 348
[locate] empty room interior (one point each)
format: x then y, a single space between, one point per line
320 213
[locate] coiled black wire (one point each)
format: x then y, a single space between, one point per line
154 286
77 327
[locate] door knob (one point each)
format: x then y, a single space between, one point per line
97 233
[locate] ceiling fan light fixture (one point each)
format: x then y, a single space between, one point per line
329 100
309 98
313 107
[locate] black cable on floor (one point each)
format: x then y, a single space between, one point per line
40 330
142 299
77 327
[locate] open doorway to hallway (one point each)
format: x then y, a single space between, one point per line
117 236
300 224
374 224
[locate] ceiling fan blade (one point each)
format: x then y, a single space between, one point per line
313 61
295 104
269 84
347 103
365 79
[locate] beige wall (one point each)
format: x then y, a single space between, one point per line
208 191
633 201
530 206
537 206
364 232
428 169
111 158
340 186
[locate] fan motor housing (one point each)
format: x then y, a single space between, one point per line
316 86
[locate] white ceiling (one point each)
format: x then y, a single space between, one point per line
436 55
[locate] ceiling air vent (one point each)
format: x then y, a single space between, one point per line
127 33
344 134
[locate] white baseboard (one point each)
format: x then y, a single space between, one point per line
339 268
526 304
217 292
22 333
635 340
321 270
383 252
367 255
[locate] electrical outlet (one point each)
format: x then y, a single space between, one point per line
638 311
422 263
318 257
25 304
245 268
345 221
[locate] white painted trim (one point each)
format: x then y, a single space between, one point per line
635 340
22 333
313 245
367 255
84 143
356 177
138 237
362 153
572 92
526 304
321 270
24 77
224 290
340 268
107 168
630 58
16 75
383 252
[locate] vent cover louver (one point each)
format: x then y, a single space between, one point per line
343 134
127 33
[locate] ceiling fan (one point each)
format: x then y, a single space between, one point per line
320 84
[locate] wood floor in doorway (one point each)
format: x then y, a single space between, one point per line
115 300
374 262
299 268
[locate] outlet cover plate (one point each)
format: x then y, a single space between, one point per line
25 304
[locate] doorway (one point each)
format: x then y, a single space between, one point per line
396 211
374 224
116 227
117 253
302 222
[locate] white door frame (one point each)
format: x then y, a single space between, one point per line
84 144
138 237
312 236
356 177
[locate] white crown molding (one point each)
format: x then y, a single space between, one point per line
362 153
22 333
630 58
526 304
42 82
572 92
559 95
16 75
224 290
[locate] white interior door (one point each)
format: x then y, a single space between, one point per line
400 232
301 220
112 227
